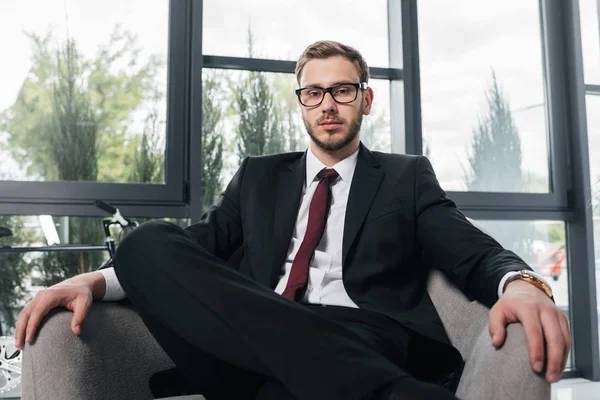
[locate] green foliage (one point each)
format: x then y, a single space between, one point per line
14 269
58 266
73 130
149 157
258 129
291 130
373 126
212 139
557 234
113 84
495 159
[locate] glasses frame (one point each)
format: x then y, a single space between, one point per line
361 85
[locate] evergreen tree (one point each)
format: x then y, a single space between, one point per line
149 157
496 157
291 129
495 161
73 131
212 140
375 132
258 130
114 82
73 139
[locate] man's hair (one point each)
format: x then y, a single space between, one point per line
328 48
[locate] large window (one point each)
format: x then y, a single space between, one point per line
272 121
281 30
482 89
83 97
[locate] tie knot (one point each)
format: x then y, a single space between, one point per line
328 173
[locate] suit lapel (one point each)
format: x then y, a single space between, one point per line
365 183
288 191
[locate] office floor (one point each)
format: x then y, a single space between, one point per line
576 389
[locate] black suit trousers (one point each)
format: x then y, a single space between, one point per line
235 339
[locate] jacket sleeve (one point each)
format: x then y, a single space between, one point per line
471 259
220 231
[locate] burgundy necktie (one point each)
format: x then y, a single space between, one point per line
317 215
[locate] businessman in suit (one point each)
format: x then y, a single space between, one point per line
307 279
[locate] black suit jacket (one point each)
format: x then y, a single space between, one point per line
399 224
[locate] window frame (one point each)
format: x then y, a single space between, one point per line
569 175
27 197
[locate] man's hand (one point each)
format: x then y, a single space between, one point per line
75 294
543 322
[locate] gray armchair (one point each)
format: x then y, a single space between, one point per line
116 355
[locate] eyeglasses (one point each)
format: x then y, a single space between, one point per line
342 93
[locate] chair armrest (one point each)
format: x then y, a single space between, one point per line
503 374
112 359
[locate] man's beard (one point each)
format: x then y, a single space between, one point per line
338 143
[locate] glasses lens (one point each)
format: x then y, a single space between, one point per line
344 93
311 96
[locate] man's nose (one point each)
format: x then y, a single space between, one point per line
328 105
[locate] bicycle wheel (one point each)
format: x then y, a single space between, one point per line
10 368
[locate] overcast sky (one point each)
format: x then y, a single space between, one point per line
460 43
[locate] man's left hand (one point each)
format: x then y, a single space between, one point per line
546 327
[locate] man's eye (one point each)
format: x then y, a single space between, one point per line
341 91
314 93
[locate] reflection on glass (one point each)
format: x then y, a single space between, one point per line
589 10
297 24
542 245
483 105
84 95
253 113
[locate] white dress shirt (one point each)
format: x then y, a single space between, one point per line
325 284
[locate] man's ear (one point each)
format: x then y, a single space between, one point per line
368 101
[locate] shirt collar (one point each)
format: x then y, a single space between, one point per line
344 168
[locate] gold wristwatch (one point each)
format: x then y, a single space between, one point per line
534 279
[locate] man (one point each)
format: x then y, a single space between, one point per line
327 297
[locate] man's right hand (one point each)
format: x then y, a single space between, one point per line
75 294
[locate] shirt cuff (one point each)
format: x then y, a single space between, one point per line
513 273
114 291
503 282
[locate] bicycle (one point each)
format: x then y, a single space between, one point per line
117 219
10 356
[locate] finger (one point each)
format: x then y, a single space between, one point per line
535 339
555 344
564 326
41 309
80 310
497 323
22 322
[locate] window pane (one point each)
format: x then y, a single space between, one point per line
593 125
50 267
483 105
24 273
542 245
272 121
84 95
297 24
588 13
